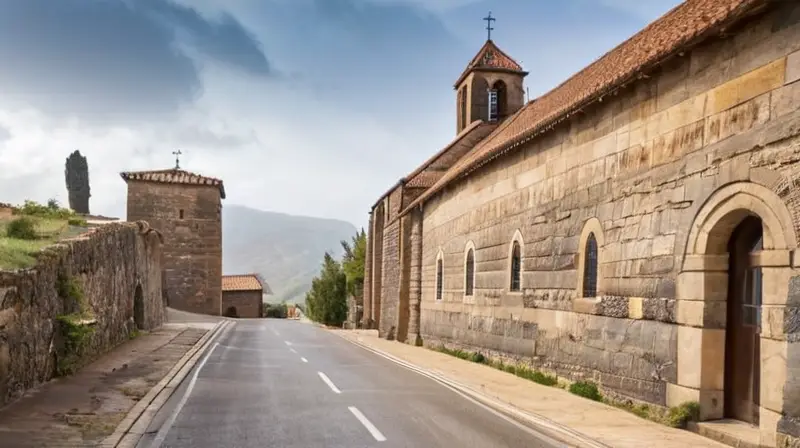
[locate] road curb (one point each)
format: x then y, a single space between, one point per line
539 423
135 423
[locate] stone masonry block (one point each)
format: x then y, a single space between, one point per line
773 366
746 87
793 67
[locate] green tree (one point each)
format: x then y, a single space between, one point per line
326 302
355 253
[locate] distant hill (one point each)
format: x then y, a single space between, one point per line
286 250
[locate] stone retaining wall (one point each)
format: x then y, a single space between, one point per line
114 272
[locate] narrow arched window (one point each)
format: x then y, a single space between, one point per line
439 278
590 267
469 272
462 101
516 265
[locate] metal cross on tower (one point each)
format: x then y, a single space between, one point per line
177 155
489 19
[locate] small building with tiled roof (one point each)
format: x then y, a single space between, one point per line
635 225
186 208
242 295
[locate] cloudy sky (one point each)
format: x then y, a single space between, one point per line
310 107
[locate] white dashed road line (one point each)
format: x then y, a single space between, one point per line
293 350
288 343
304 359
367 424
329 383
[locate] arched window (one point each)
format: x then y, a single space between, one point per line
439 278
590 267
462 106
497 101
516 265
469 273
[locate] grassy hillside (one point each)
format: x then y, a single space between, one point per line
286 250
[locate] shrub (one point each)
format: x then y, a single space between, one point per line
75 221
477 357
535 376
22 228
278 311
678 416
586 389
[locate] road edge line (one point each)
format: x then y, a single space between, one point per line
533 421
175 375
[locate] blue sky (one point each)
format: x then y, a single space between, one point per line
310 107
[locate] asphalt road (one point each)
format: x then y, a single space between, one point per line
288 384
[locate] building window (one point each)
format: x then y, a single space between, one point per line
463 107
439 278
493 105
516 265
590 267
180 213
469 273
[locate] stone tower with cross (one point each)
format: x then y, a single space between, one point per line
491 87
187 209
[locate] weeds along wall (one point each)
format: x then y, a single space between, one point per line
83 297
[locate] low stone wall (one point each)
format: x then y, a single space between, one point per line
85 296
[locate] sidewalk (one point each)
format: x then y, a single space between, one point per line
597 421
83 409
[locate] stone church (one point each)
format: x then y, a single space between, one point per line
637 225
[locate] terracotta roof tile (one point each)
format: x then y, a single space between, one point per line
490 57
684 25
425 179
247 282
476 130
174 176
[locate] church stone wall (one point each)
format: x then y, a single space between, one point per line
391 270
652 170
193 243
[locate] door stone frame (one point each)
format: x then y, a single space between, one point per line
701 302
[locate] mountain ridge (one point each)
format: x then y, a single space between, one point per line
287 250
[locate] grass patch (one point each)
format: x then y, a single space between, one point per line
33 228
518 370
586 389
676 417
680 415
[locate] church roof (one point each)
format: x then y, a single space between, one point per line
490 57
174 176
685 25
430 171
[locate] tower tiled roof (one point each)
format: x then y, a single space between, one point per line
685 25
490 57
174 176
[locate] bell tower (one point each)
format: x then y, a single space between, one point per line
491 87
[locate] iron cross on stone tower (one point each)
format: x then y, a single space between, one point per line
177 155
489 19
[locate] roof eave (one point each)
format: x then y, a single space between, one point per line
464 75
399 183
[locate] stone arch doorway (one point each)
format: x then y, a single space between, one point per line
738 251
138 307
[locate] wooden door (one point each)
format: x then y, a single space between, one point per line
742 344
